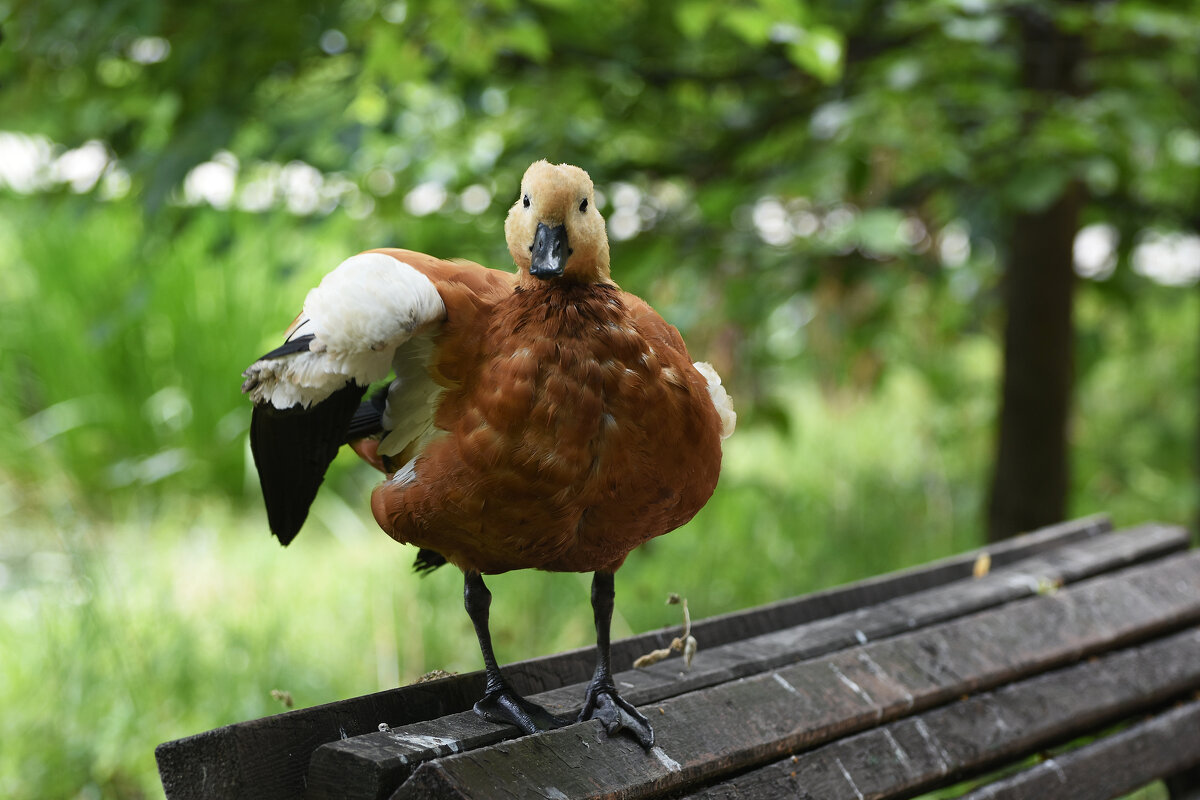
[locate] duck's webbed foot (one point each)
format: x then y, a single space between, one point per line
504 706
501 704
602 701
615 713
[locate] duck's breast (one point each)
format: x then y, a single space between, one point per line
581 430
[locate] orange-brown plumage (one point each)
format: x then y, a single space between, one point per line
576 428
544 419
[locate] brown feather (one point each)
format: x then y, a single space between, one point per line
565 446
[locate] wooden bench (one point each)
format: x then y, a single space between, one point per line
1073 664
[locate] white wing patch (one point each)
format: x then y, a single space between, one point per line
371 301
720 398
359 315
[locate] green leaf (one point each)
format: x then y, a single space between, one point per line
529 39
694 19
818 51
1035 186
751 25
878 231
370 106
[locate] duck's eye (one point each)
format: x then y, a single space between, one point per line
583 206
525 201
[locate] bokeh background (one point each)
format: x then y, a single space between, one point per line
944 252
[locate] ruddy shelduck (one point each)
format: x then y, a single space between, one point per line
544 419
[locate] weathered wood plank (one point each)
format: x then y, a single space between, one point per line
795 611
744 724
1161 746
266 759
918 754
373 765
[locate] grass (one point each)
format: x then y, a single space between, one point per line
123 345
141 598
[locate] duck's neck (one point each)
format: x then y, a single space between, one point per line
568 308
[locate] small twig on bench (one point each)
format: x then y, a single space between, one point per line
686 643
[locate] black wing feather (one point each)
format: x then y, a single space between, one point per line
292 450
290 346
368 417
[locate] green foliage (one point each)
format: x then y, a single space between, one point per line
819 195
917 111
126 342
1133 438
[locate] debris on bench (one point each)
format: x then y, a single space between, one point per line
683 643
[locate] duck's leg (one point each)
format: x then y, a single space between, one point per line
500 702
602 701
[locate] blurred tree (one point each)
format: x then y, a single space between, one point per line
801 164
1030 479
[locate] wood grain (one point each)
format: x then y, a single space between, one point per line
745 724
373 765
918 754
267 759
1157 747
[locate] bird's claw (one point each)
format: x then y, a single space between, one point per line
616 714
506 707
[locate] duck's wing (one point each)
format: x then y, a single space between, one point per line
665 337
374 311
465 288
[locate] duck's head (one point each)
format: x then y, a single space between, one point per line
554 230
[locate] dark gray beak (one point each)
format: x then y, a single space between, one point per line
550 252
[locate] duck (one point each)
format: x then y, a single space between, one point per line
539 419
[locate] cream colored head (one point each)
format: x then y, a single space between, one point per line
554 230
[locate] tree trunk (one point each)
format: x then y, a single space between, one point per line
1032 475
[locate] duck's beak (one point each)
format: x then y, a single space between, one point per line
550 252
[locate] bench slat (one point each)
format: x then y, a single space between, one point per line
747 723
266 759
373 765
919 754
1112 766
